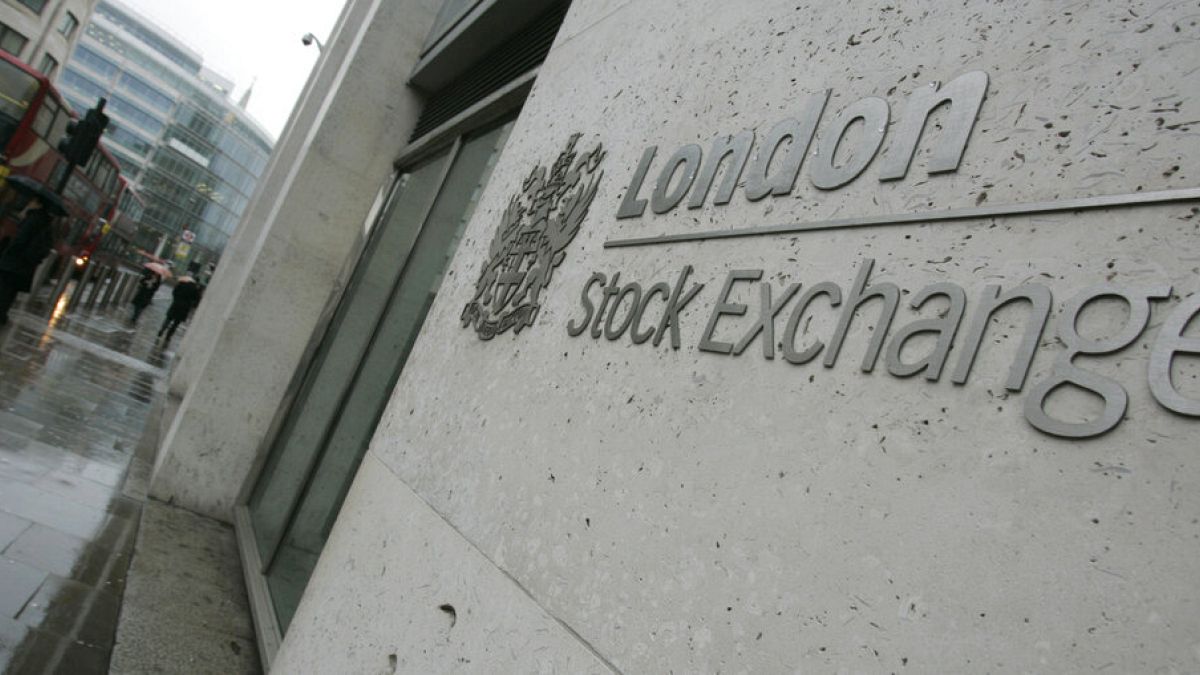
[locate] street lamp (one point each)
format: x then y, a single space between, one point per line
309 38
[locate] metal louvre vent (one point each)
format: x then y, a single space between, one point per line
523 51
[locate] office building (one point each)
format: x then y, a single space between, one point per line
192 153
715 337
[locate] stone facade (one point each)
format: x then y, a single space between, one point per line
300 228
595 502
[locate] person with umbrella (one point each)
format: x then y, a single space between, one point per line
184 299
32 242
152 276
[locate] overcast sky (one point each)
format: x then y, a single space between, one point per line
244 39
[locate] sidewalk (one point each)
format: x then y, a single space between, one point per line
76 395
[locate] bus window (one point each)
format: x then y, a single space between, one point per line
17 89
102 173
45 118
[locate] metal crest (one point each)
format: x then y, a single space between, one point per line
531 241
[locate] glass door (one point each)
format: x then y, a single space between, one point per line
326 430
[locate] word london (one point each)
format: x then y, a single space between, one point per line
783 149
613 311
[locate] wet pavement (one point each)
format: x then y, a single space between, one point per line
76 392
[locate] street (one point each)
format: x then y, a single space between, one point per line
75 396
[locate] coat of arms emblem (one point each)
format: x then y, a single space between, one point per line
531 240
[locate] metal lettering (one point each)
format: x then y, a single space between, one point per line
990 302
576 329
858 295
739 147
723 306
675 304
610 291
766 319
799 135
689 158
789 334
1170 342
964 94
945 326
1066 373
631 205
874 114
634 289
635 333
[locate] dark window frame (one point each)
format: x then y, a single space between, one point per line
35 6
53 65
7 31
68 25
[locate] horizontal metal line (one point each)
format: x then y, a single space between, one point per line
1084 203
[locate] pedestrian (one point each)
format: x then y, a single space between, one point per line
147 287
24 252
184 298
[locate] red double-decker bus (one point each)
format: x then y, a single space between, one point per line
33 119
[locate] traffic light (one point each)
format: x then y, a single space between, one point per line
83 135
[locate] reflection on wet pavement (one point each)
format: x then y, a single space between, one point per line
75 395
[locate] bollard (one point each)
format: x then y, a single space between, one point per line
114 275
121 282
130 289
97 284
39 278
89 271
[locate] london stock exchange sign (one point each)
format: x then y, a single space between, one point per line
614 310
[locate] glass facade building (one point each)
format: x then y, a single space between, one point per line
193 154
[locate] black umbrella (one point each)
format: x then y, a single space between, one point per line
29 186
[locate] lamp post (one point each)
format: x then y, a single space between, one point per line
309 38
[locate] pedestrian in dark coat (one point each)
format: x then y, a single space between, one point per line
147 287
23 254
184 299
